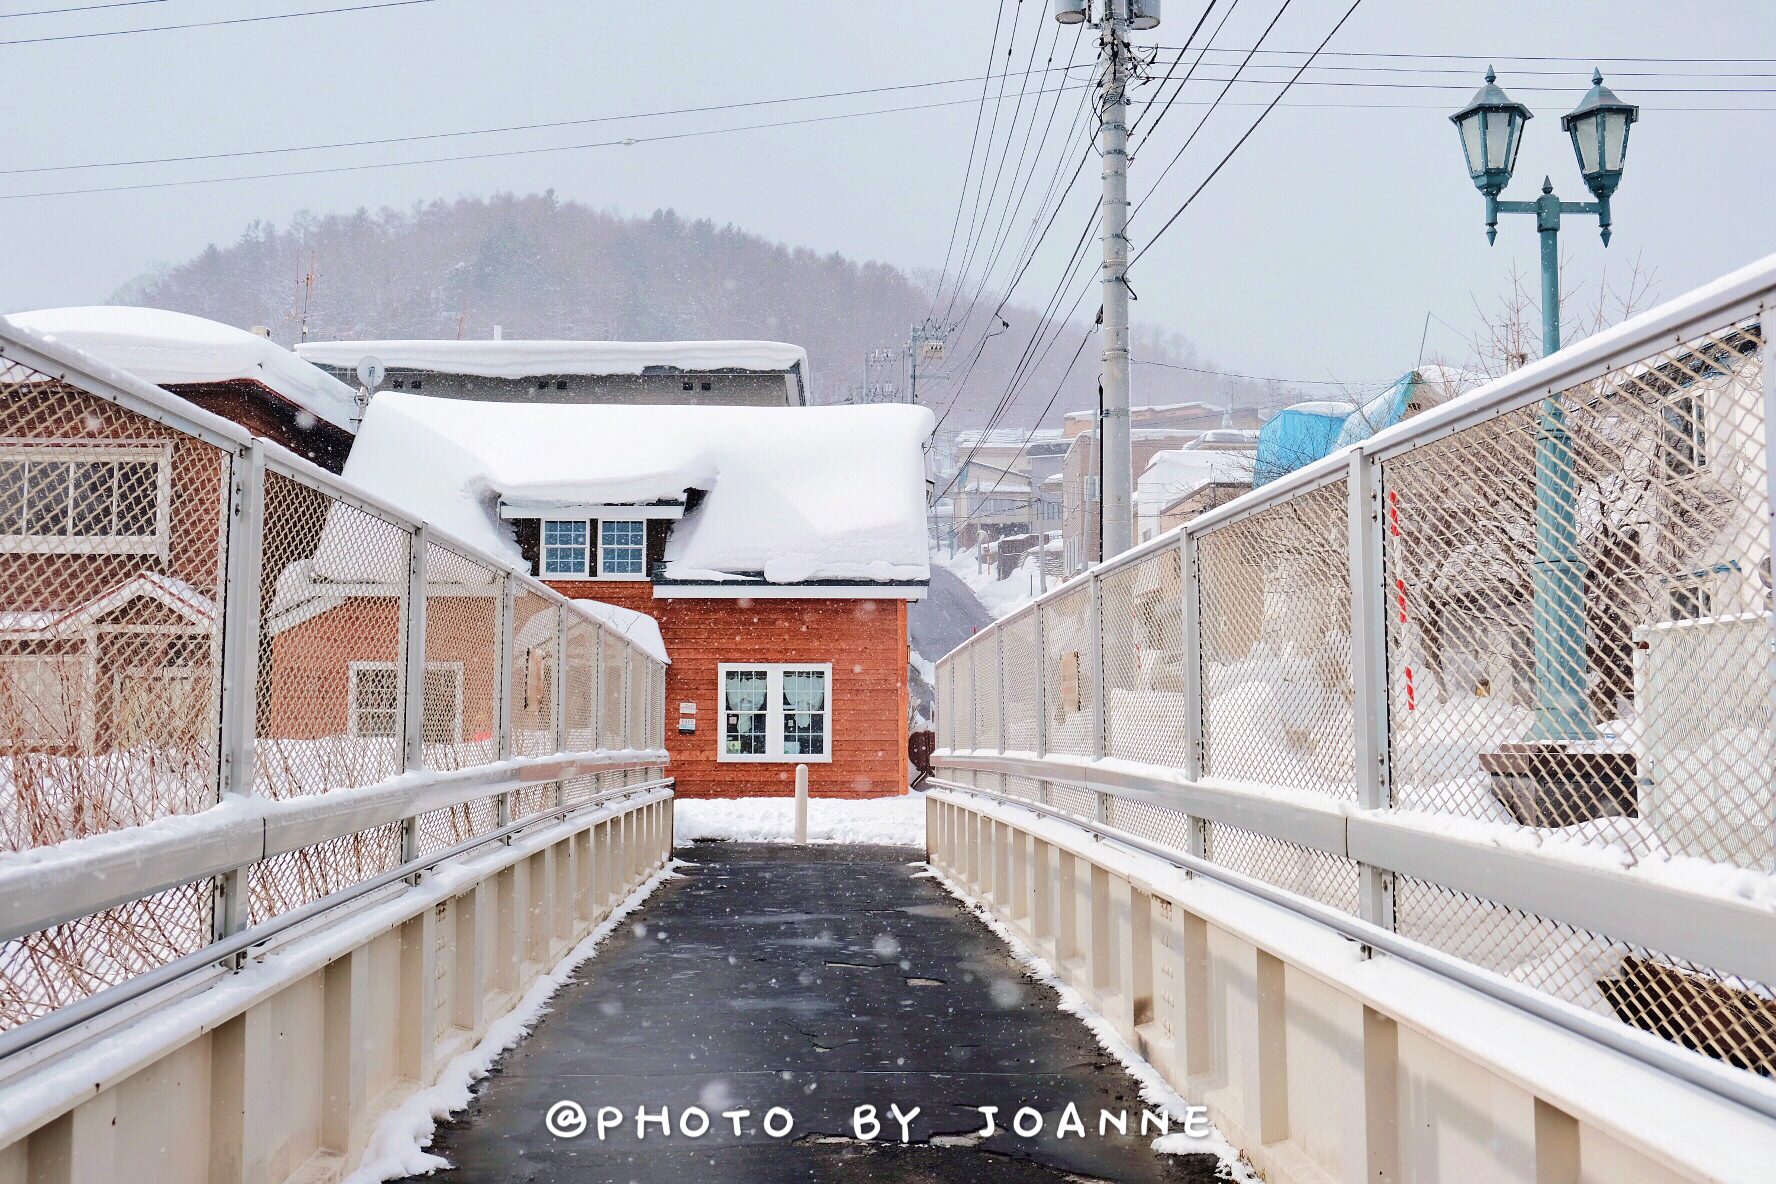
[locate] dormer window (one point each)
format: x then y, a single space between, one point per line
622 547
564 548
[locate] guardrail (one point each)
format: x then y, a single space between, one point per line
1500 679
234 687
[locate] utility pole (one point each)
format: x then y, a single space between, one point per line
1115 70
1117 481
928 342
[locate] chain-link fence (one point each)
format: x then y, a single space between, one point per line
1540 619
188 617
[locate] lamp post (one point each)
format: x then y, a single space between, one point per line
1491 128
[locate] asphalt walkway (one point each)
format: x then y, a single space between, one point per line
797 984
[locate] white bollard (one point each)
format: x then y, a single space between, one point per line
801 804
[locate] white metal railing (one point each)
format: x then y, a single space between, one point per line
1500 679
233 688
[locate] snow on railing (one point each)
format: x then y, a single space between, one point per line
232 684
1501 679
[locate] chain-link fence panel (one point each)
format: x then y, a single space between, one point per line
1317 875
54 967
641 694
580 684
580 789
946 704
1275 621
1168 828
1023 670
613 724
439 829
535 622
331 653
1069 677
987 690
295 878
1020 787
962 664
1580 628
1722 1016
534 799
462 649
1143 639
113 532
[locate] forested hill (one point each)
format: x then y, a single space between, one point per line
542 268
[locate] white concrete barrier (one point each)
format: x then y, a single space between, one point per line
1319 1062
277 1073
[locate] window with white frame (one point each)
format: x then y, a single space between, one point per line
565 548
778 712
79 497
622 547
375 706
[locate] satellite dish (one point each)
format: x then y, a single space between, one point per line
371 372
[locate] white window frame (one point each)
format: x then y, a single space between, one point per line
351 718
86 451
543 572
774 713
598 543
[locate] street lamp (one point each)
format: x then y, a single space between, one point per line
1576 785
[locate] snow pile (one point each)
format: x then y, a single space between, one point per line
1155 1090
642 630
798 493
397 1146
527 359
171 348
997 596
895 822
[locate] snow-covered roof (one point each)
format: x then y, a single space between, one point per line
1176 472
527 359
798 493
1205 408
172 348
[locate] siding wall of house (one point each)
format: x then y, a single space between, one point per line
866 642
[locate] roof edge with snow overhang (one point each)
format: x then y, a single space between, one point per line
530 359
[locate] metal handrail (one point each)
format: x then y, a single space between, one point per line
34 1032
1743 1088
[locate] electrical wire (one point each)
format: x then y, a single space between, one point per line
1241 141
233 20
6 16
625 142
962 197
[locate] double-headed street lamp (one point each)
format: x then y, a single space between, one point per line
1491 128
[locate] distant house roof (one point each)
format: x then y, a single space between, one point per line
1193 407
528 359
792 495
177 349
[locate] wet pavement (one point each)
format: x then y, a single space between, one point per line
796 985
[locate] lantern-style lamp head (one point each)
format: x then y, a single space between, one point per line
1491 127
1599 130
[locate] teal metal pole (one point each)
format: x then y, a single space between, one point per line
1562 709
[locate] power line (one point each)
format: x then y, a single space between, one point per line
389 164
1179 90
487 131
6 16
1495 57
1259 378
962 197
234 20
1238 143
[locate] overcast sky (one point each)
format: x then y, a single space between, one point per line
1316 253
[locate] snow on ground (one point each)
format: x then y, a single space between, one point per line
897 821
398 1144
1001 597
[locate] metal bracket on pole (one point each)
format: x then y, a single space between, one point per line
1368 580
413 676
1191 598
238 723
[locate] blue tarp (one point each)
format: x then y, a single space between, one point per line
1304 433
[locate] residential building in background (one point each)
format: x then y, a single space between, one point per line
239 375
772 550
717 373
